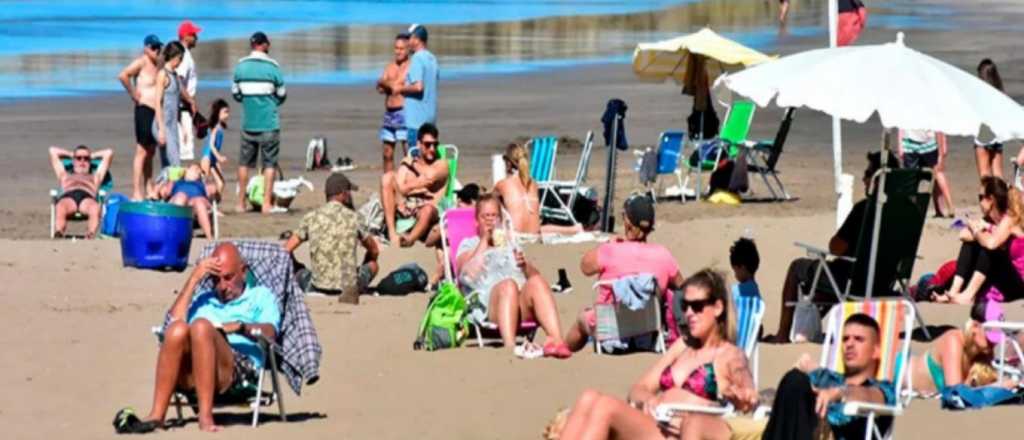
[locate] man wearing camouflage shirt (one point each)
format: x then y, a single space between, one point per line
335 231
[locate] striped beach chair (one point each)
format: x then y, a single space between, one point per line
542 158
895 318
749 312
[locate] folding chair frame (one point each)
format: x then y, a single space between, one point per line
652 309
554 189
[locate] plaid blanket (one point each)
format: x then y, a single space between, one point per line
297 345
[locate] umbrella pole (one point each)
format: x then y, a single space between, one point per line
837 129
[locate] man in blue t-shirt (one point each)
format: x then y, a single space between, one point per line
209 342
420 89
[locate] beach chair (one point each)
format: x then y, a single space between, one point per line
296 350
450 153
562 195
749 313
1010 331
883 256
457 224
763 156
669 155
543 151
896 320
617 322
707 155
106 186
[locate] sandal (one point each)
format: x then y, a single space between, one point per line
558 351
528 350
126 422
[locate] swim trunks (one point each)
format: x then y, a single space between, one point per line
144 126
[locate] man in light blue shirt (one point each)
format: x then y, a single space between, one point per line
420 89
210 342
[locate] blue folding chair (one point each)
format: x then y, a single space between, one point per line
542 158
749 312
670 152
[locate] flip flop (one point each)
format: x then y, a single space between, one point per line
558 351
528 350
126 422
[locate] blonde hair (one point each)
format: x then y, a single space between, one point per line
981 374
515 155
1015 207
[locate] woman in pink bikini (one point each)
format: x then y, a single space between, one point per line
703 368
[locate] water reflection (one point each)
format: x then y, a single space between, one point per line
349 54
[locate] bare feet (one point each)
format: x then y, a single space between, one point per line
406 241
206 424
240 208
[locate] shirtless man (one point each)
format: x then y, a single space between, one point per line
139 80
80 187
414 190
392 130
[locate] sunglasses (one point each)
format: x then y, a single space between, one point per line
429 144
82 158
696 305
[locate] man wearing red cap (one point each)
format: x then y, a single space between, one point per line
188 34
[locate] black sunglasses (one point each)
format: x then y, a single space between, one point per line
82 158
696 305
429 144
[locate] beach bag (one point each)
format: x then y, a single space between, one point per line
316 154
959 397
407 279
200 125
807 322
444 325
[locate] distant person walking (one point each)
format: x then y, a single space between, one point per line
783 10
420 89
927 149
390 83
988 150
168 103
188 34
259 86
853 17
139 80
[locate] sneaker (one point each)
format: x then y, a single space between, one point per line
562 286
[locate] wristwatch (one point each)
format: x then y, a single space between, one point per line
243 329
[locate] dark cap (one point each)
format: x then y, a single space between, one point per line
640 211
152 41
469 193
337 183
418 31
258 38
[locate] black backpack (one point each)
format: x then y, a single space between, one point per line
406 279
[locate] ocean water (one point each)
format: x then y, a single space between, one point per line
74 48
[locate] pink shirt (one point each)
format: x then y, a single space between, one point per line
618 259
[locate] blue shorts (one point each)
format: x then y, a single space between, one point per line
392 126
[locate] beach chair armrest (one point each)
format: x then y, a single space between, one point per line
1004 326
815 251
865 408
668 411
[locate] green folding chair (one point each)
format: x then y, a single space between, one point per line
708 154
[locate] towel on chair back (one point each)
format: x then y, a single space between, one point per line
634 291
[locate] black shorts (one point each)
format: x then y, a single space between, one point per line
265 143
77 195
921 160
992 147
144 126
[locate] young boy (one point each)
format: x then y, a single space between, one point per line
745 260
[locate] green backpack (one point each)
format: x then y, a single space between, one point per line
444 325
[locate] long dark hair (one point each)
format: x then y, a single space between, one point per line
998 190
988 72
215 108
173 50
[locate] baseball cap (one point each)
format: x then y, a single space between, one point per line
337 183
187 27
418 31
640 211
258 38
152 41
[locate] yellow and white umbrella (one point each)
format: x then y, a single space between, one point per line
671 58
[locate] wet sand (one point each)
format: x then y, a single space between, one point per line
79 347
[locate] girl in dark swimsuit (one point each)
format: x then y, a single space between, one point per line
703 368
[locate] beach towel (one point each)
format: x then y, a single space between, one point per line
634 291
960 397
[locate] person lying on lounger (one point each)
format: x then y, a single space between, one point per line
507 289
702 368
208 344
630 254
414 190
520 196
80 187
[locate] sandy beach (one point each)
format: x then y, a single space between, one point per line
78 345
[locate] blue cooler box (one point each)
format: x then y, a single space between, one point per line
155 235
